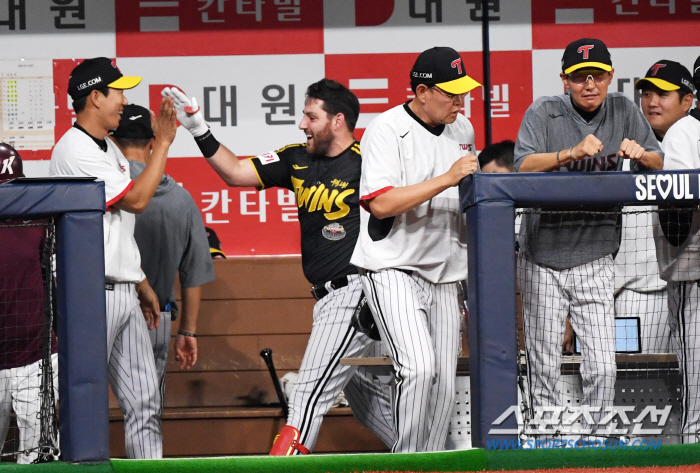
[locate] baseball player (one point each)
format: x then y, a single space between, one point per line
677 237
639 291
412 246
497 157
22 321
324 174
171 239
565 263
214 244
96 87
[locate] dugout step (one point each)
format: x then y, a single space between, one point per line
212 431
381 365
224 413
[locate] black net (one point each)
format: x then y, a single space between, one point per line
28 359
608 346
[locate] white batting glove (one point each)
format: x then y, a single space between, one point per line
188 112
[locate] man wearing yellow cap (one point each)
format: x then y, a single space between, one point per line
412 252
565 264
667 95
97 89
677 238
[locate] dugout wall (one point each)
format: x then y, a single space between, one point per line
78 207
489 201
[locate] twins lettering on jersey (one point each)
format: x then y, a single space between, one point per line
659 187
596 163
316 198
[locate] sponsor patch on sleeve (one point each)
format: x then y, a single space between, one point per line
268 158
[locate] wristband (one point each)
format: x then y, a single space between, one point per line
571 153
208 145
187 334
560 164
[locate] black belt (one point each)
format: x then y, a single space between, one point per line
319 291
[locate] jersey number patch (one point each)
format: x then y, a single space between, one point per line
268 158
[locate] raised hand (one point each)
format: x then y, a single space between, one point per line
188 112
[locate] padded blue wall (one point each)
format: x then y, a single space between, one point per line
82 330
489 201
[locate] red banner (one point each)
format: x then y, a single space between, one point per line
218 27
619 23
247 222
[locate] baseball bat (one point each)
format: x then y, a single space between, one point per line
267 356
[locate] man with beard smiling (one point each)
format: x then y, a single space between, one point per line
324 174
565 264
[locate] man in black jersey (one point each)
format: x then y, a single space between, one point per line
324 174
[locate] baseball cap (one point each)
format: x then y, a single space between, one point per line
442 67
10 163
97 73
668 75
586 52
214 243
134 123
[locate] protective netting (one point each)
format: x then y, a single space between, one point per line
609 348
28 360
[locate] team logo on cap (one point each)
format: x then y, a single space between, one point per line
7 166
688 84
94 81
585 49
458 64
655 68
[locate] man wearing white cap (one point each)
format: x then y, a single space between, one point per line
412 248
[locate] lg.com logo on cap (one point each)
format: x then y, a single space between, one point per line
422 75
94 81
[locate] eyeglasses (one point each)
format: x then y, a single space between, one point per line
582 77
449 95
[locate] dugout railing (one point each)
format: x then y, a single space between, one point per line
77 207
490 202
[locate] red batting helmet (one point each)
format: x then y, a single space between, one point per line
10 163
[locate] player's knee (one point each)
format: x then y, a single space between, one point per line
423 369
604 374
609 371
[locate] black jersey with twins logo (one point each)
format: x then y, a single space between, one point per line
327 196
